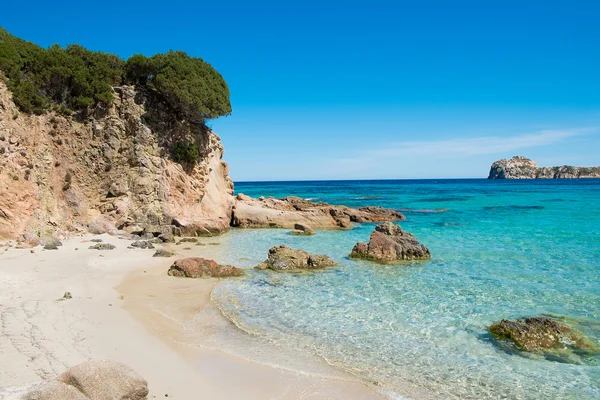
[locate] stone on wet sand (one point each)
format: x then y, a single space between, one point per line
54 391
142 244
51 246
104 380
93 380
541 333
163 253
167 237
103 246
51 243
188 240
196 267
390 243
283 258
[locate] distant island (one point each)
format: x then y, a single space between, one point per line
520 167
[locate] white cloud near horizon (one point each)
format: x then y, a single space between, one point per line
462 148
480 145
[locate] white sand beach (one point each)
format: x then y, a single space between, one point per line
124 307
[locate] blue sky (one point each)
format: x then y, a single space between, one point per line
377 89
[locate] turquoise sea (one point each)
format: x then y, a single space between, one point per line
500 249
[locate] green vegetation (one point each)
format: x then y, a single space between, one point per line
185 152
74 79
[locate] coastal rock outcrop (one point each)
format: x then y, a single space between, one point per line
388 243
269 212
301 229
283 258
109 171
519 167
540 333
196 267
93 380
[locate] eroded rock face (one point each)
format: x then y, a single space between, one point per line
290 211
540 333
519 167
283 258
196 267
93 380
111 171
390 243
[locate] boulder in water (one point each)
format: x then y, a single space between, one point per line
303 229
541 333
282 258
390 243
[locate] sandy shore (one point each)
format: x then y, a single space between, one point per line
124 307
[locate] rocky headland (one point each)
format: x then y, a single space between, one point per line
109 172
519 167
113 172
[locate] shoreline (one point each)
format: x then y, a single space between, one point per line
126 308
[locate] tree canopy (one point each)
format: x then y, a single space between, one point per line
77 79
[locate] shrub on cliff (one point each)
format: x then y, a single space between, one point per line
190 86
185 152
72 77
77 79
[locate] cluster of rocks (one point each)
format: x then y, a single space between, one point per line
388 243
290 211
93 380
519 167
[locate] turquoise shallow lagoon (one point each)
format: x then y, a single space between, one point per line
500 249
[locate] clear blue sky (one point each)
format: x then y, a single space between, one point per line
370 89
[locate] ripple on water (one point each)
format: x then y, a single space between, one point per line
421 330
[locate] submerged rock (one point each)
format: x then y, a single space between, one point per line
541 333
302 229
390 243
196 267
282 258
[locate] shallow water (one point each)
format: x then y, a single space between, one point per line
500 249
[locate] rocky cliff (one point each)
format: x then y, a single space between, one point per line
519 167
110 171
